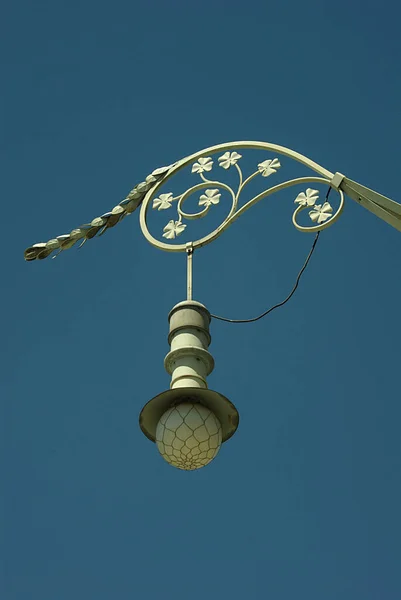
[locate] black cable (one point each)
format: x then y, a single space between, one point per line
280 303
288 297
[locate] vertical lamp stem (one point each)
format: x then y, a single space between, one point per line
190 251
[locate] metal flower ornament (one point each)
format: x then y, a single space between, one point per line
211 196
145 195
189 422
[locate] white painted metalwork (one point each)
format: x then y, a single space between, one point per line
146 195
190 253
189 361
209 192
189 422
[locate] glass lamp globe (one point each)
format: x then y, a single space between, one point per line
188 436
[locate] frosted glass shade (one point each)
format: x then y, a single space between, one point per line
188 436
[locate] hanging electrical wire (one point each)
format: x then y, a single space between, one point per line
289 295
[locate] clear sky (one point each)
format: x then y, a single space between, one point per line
304 501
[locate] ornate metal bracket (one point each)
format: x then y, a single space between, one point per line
210 191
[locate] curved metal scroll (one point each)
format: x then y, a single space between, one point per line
202 164
146 192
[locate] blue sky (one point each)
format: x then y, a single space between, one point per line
304 501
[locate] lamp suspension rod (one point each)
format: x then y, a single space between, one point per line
190 251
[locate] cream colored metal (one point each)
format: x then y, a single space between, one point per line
221 406
323 224
146 191
189 363
379 205
204 163
190 253
98 225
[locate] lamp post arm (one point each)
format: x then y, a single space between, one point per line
387 210
145 192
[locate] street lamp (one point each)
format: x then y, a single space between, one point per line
189 422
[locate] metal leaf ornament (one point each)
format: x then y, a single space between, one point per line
99 225
214 191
